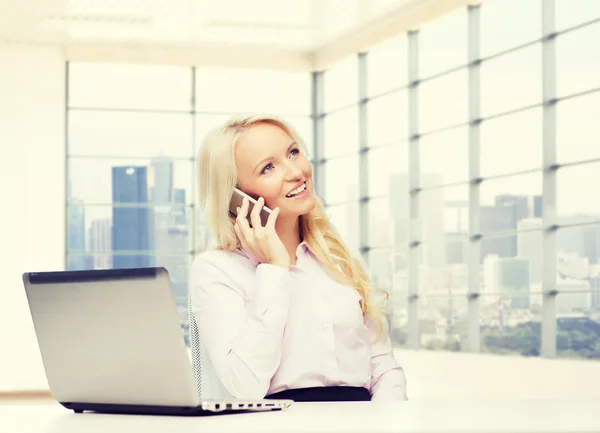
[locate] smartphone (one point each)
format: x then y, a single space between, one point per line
236 200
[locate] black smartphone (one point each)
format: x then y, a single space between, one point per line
236 200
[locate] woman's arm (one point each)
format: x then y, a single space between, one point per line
388 381
243 339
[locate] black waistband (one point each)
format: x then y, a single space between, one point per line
324 393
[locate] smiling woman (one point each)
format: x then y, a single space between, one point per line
283 310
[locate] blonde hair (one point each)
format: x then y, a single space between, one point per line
217 178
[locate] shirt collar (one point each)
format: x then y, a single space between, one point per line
302 249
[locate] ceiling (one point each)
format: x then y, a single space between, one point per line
292 34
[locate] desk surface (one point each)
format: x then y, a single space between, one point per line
465 417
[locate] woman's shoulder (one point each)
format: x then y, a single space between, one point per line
220 259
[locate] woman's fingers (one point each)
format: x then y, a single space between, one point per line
243 222
255 214
272 219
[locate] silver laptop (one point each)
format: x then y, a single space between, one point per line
111 341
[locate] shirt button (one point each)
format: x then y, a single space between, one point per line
327 326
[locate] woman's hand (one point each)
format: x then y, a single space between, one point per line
262 242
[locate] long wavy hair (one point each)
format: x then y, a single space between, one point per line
217 177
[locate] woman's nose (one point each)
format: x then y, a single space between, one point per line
293 171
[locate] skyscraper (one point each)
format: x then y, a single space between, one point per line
130 231
100 243
76 236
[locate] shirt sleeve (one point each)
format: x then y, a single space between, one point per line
243 337
388 381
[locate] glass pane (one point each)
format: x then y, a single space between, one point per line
569 13
111 85
341 179
381 267
387 118
442 211
518 256
159 180
509 23
510 324
384 225
578 129
344 218
443 101
577 321
252 90
176 264
387 63
457 250
511 143
443 320
126 134
578 254
387 165
304 128
341 133
578 60
445 157
577 192
443 43
99 229
340 84
511 81
505 201
205 123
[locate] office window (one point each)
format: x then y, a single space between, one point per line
252 91
511 322
577 128
577 192
578 286
343 218
444 157
341 85
125 86
129 134
387 66
511 81
568 16
444 321
443 101
341 133
511 143
388 168
341 179
506 24
578 60
387 119
507 200
443 43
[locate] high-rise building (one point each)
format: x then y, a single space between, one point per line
431 218
504 216
100 243
76 236
530 246
131 217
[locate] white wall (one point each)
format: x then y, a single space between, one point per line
32 174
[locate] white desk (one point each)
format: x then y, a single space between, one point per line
431 417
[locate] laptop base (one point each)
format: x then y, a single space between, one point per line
132 409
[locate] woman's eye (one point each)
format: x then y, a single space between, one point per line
295 150
266 167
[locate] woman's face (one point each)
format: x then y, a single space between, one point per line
270 165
